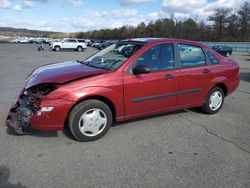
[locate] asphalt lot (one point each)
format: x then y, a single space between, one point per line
181 149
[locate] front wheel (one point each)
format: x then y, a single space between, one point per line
214 101
57 48
90 120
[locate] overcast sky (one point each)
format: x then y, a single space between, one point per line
86 15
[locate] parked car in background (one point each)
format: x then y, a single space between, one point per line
96 43
119 49
90 42
127 50
69 44
88 96
22 40
103 45
223 50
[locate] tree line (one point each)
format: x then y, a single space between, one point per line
225 25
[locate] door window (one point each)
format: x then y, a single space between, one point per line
191 56
72 41
65 40
157 58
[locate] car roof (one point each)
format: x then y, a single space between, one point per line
69 39
147 40
154 40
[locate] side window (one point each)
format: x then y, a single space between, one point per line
157 58
72 41
191 56
212 58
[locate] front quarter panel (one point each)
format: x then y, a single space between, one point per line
114 95
109 86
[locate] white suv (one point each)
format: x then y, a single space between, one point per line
69 44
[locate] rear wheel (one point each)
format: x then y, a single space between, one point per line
79 49
227 54
214 101
90 120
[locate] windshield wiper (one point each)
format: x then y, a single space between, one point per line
113 63
82 62
106 67
99 67
108 60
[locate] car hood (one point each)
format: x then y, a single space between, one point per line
55 43
61 73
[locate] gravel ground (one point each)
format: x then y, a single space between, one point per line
180 149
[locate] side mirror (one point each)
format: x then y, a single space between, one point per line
141 69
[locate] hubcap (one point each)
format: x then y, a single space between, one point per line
93 122
215 100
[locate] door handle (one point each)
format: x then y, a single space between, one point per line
206 71
169 76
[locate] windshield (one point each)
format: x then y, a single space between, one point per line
114 56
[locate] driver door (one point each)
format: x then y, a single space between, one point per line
155 91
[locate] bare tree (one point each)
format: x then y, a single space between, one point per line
244 21
233 26
220 21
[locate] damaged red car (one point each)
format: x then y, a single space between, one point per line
150 76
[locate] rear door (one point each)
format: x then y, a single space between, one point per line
72 44
155 91
195 75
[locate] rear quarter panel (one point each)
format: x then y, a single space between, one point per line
227 73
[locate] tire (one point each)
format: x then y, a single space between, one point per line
57 48
217 95
227 54
90 120
79 49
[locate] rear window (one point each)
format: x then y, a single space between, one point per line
81 40
212 58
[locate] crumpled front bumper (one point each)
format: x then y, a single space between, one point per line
18 119
23 117
12 125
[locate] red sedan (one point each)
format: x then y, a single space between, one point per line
130 79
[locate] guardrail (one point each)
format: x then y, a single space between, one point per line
237 46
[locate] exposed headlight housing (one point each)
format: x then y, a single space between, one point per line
46 108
